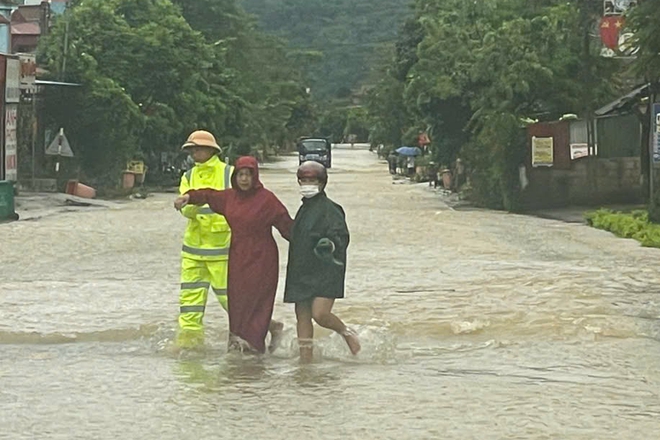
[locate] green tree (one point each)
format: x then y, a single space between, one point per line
275 105
644 22
388 118
481 67
148 78
348 33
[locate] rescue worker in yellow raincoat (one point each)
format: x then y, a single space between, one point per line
206 240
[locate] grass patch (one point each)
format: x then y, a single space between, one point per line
633 224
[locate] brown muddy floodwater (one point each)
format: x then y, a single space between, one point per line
475 325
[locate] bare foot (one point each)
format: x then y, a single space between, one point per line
236 343
352 340
275 328
306 347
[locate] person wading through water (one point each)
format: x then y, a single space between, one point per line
251 211
316 270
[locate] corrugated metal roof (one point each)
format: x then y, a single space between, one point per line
621 102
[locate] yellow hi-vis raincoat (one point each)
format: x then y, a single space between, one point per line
205 248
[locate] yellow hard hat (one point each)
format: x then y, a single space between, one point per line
201 138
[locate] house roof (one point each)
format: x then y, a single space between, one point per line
25 29
28 13
624 101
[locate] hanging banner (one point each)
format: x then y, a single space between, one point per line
11 144
542 151
28 72
12 82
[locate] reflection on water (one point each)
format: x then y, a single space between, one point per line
227 371
209 375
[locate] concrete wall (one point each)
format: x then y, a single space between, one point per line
588 181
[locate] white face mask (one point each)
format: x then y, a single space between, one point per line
309 191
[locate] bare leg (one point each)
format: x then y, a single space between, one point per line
275 329
322 314
305 330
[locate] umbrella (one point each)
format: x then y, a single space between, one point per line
409 151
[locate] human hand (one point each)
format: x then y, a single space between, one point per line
325 245
324 250
181 201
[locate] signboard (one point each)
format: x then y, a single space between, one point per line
579 150
12 87
28 72
656 132
11 144
617 7
60 146
542 151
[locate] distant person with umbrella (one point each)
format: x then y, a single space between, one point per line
409 153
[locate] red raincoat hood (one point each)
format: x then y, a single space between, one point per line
251 163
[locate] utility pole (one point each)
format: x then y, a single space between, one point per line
654 115
34 138
66 46
587 10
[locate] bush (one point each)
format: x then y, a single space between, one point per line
494 157
634 225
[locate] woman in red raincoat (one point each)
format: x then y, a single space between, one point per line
251 211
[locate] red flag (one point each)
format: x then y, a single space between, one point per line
610 27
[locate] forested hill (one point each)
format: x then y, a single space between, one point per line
350 36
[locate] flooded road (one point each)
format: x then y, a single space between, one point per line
474 325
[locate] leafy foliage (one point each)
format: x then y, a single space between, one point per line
279 108
644 22
347 34
633 225
151 75
469 72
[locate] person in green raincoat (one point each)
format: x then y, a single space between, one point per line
316 270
